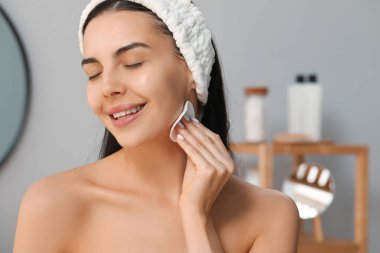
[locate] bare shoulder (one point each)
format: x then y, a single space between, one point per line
269 217
53 191
51 207
60 191
266 202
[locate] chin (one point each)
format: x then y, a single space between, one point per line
129 141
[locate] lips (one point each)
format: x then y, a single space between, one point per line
124 114
127 119
122 108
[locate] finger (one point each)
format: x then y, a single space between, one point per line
201 138
197 159
212 143
203 150
210 174
213 136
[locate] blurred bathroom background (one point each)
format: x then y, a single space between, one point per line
261 43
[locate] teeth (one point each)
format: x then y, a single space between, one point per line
122 114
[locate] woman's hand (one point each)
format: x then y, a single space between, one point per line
208 168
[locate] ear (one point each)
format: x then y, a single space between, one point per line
191 82
192 93
191 90
193 85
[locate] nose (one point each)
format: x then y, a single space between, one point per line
113 84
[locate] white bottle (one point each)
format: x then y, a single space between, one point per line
255 114
305 107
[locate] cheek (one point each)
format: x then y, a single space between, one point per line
167 88
93 99
165 83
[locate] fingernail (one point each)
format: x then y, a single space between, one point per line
181 125
187 118
180 137
195 120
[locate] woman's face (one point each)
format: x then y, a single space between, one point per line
130 62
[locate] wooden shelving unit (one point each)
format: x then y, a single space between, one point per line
266 151
329 245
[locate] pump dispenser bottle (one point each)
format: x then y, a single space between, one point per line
305 106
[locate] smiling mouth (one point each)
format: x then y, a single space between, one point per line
126 114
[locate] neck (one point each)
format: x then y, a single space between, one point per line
157 167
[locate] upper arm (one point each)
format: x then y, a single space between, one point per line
43 224
280 231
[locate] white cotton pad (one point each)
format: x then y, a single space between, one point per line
188 111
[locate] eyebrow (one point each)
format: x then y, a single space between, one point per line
118 52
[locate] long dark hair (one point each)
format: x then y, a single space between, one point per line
214 111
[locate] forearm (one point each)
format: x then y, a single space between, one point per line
200 233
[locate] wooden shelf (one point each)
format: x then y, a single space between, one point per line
330 245
311 148
266 151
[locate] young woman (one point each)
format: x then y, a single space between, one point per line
149 193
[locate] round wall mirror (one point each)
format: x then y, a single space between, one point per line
312 188
14 87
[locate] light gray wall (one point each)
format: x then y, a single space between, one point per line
260 42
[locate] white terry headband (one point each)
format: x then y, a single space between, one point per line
189 30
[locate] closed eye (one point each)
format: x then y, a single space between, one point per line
94 76
136 65
131 66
